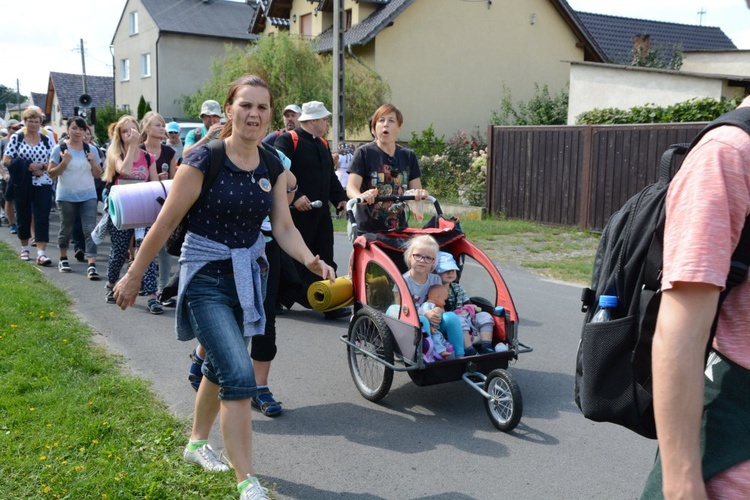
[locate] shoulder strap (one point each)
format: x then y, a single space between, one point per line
739 117
45 140
272 161
216 151
295 140
86 148
63 146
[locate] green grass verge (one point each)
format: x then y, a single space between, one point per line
71 424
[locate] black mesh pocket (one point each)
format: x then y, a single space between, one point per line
606 384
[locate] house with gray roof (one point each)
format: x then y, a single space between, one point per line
163 49
617 36
64 91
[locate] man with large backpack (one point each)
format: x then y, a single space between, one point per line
312 164
703 417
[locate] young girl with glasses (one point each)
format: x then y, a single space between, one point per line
420 255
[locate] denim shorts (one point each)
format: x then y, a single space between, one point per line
216 317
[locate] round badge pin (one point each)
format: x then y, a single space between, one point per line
265 185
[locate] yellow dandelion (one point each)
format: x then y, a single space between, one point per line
55 444
14 326
47 446
45 489
82 449
52 313
90 403
43 457
64 462
105 423
95 441
32 409
49 425
65 341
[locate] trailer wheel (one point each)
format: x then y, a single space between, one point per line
505 405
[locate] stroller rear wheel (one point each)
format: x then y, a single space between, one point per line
505 406
369 332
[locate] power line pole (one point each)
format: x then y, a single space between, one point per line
339 125
83 66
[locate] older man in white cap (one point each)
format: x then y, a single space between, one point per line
317 186
211 116
291 116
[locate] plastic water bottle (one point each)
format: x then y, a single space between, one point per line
164 167
500 311
606 304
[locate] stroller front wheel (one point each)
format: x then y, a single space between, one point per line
505 405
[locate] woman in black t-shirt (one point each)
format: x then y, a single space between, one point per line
383 168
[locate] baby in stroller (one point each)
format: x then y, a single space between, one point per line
473 322
436 297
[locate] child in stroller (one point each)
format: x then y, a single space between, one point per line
420 256
473 322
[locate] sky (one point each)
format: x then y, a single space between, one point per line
63 23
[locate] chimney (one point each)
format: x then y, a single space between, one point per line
641 46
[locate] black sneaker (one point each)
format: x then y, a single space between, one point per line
154 307
343 312
63 266
110 295
80 255
92 273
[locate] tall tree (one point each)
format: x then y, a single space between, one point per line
296 74
8 96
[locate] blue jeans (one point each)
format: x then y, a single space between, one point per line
450 327
216 317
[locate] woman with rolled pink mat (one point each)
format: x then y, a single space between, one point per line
153 135
127 163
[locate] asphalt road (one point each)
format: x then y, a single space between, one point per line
419 442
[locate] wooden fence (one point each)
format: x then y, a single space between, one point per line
574 175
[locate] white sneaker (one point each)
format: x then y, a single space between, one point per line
206 458
254 490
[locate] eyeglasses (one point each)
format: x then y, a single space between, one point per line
173 132
423 258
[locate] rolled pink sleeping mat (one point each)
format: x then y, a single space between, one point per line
137 204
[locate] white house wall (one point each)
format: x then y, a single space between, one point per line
599 86
735 62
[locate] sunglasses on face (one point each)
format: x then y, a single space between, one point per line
423 258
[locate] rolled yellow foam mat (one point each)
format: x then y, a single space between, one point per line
324 296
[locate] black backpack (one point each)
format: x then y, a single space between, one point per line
613 365
64 147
